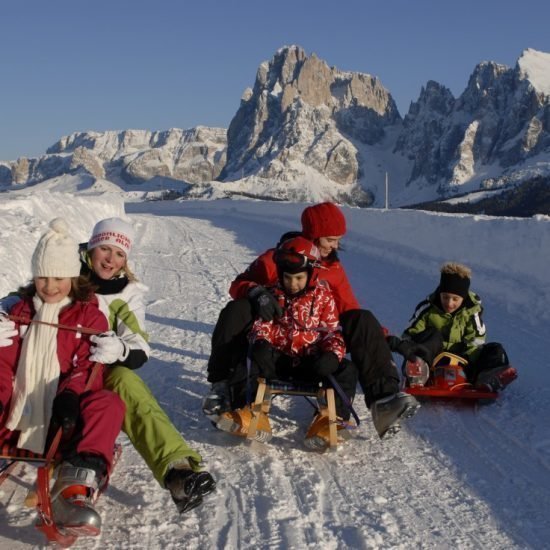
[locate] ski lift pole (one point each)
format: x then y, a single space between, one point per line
387 192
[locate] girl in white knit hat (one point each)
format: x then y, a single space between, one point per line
46 380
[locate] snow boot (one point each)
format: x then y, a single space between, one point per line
317 436
187 488
72 497
496 379
237 422
217 401
387 411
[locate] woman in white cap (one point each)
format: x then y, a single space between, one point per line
46 380
174 464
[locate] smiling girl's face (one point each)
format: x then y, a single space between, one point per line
52 290
107 260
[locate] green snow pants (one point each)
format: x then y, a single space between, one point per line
149 429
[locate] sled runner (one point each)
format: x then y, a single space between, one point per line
40 498
445 378
326 430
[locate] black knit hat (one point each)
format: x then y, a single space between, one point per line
453 283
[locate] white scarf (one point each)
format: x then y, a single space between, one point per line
36 378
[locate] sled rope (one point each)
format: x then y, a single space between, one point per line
343 397
82 330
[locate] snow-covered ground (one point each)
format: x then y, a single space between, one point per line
457 476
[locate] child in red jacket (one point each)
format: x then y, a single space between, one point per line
303 343
46 380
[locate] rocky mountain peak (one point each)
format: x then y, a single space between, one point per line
132 156
303 113
499 120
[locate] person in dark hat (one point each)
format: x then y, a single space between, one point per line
450 319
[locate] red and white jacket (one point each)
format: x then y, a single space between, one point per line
263 271
73 348
308 325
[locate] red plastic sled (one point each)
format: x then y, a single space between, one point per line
446 380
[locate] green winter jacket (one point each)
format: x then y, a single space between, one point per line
463 331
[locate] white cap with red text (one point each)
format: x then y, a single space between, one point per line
112 231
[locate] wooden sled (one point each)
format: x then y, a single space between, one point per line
268 389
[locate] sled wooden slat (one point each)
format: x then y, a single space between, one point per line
6 469
267 389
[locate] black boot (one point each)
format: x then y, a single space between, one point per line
188 487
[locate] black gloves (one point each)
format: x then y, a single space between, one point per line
393 342
327 363
65 411
407 348
264 303
262 356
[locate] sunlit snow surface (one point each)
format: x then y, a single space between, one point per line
457 476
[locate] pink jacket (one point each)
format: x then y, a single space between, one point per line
73 348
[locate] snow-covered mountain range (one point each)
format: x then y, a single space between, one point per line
306 131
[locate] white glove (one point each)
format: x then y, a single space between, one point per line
108 349
7 331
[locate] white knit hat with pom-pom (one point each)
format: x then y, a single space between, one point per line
56 254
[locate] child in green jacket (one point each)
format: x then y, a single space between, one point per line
450 319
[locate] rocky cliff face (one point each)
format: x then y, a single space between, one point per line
500 121
302 113
135 156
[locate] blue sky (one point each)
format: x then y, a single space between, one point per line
111 65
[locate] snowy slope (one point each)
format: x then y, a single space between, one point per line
535 67
456 477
